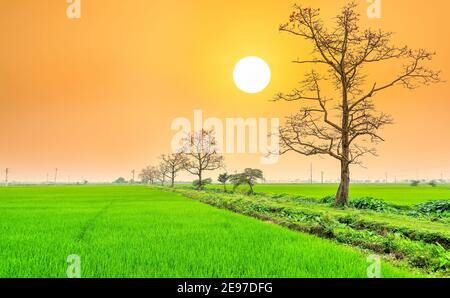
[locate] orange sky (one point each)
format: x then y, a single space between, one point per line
95 97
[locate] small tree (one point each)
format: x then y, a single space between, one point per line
223 178
149 174
433 183
249 177
120 180
201 153
173 163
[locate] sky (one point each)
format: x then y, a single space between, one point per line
96 96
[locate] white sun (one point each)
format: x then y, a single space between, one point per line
251 74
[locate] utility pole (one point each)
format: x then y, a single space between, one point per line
321 176
56 174
311 174
386 175
6 176
47 181
132 176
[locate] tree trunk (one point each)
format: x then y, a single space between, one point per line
200 182
251 188
172 182
224 187
342 193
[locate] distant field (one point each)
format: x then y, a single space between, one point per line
399 194
136 231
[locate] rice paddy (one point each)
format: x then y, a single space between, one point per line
138 231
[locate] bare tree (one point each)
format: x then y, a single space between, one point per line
200 148
149 174
162 173
174 164
344 124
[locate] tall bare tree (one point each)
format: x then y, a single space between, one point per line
200 148
149 174
174 163
345 124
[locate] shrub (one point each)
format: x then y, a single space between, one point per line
415 183
434 208
370 203
199 185
328 200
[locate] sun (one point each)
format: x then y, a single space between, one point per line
251 74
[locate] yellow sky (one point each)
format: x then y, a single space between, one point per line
95 97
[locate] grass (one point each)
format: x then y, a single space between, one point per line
397 194
136 231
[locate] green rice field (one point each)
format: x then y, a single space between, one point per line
139 231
